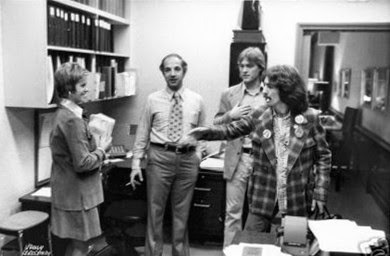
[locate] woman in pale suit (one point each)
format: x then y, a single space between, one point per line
77 157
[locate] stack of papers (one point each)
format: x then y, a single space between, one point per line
341 235
214 164
101 126
44 191
245 249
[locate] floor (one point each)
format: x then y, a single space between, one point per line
352 202
195 250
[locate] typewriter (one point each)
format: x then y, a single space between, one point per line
117 151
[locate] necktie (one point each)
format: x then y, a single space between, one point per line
175 128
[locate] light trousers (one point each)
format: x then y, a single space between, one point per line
168 172
235 196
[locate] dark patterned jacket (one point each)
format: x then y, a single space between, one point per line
309 160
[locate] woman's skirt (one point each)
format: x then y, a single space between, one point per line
80 225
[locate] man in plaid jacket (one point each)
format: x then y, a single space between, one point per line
292 161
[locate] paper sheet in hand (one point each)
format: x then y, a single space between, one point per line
101 125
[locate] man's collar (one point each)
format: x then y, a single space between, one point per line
76 109
274 114
253 92
171 92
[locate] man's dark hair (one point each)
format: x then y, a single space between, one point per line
292 90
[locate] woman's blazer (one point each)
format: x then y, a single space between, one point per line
75 179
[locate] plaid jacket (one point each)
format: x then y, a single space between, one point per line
309 161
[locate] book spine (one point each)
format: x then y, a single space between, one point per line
51 25
107 78
114 71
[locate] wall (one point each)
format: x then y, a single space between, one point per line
374 51
200 30
17 154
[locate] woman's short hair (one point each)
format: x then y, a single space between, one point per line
66 77
183 62
253 54
292 90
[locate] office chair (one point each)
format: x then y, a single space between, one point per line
123 212
341 144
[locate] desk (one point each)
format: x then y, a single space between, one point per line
330 123
39 203
43 203
333 127
254 237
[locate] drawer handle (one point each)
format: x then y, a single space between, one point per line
202 205
203 189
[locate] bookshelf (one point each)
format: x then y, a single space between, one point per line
31 38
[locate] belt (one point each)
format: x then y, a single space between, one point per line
174 148
247 151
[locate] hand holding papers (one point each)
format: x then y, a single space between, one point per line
101 127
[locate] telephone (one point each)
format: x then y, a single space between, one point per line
294 236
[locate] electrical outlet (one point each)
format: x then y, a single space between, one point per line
132 129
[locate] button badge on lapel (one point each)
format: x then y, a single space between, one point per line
267 134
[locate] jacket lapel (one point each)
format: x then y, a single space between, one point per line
296 142
237 95
267 142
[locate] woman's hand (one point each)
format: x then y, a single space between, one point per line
105 143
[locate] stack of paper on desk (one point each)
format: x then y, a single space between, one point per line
44 191
245 249
344 235
214 164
